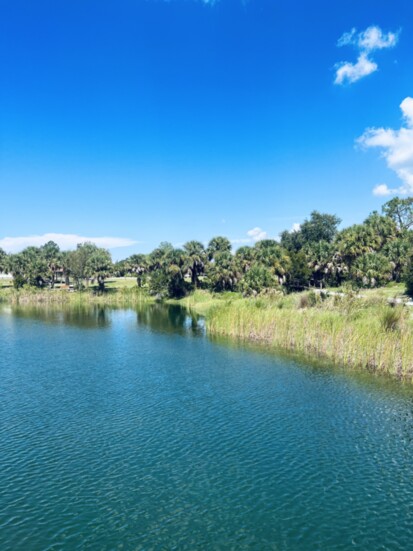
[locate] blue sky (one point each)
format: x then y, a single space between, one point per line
151 120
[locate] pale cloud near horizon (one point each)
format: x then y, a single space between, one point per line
254 235
64 240
296 227
366 42
257 234
397 150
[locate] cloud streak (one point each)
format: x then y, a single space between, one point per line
254 235
397 150
365 42
64 240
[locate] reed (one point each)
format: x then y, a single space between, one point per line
120 296
363 334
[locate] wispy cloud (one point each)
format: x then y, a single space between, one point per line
397 148
257 234
64 240
254 235
373 38
366 42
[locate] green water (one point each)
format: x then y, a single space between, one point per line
123 429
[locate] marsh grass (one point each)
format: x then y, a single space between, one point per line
345 329
125 295
393 318
364 334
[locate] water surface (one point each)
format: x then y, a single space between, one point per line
124 429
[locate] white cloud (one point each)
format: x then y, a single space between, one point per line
366 42
407 109
241 241
383 190
347 38
296 227
373 38
254 235
257 234
397 147
351 72
65 241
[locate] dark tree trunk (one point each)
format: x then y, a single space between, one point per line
101 283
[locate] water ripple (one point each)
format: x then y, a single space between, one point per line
134 434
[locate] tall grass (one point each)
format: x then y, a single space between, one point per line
347 330
123 295
356 333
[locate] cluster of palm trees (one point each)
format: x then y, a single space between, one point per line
317 254
365 255
47 265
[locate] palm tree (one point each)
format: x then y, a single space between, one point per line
320 259
270 254
196 256
65 259
357 240
245 258
224 273
372 269
175 267
138 264
99 265
51 253
158 257
218 245
398 252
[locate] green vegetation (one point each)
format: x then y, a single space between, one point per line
358 332
118 291
317 255
334 294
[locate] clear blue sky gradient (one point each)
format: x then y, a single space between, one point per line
175 120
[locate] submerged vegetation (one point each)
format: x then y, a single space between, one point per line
317 290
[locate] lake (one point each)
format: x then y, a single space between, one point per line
131 429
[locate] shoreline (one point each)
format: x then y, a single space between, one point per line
368 335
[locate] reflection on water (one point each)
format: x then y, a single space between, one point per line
134 435
157 317
80 315
170 319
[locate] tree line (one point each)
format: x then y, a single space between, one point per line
317 254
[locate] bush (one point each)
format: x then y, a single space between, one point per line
308 300
257 279
18 281
408 278
312 298
392 318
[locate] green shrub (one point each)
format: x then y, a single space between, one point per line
307 300
408 278
392 318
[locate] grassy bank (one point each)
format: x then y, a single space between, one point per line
363 333
358 331
119 291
